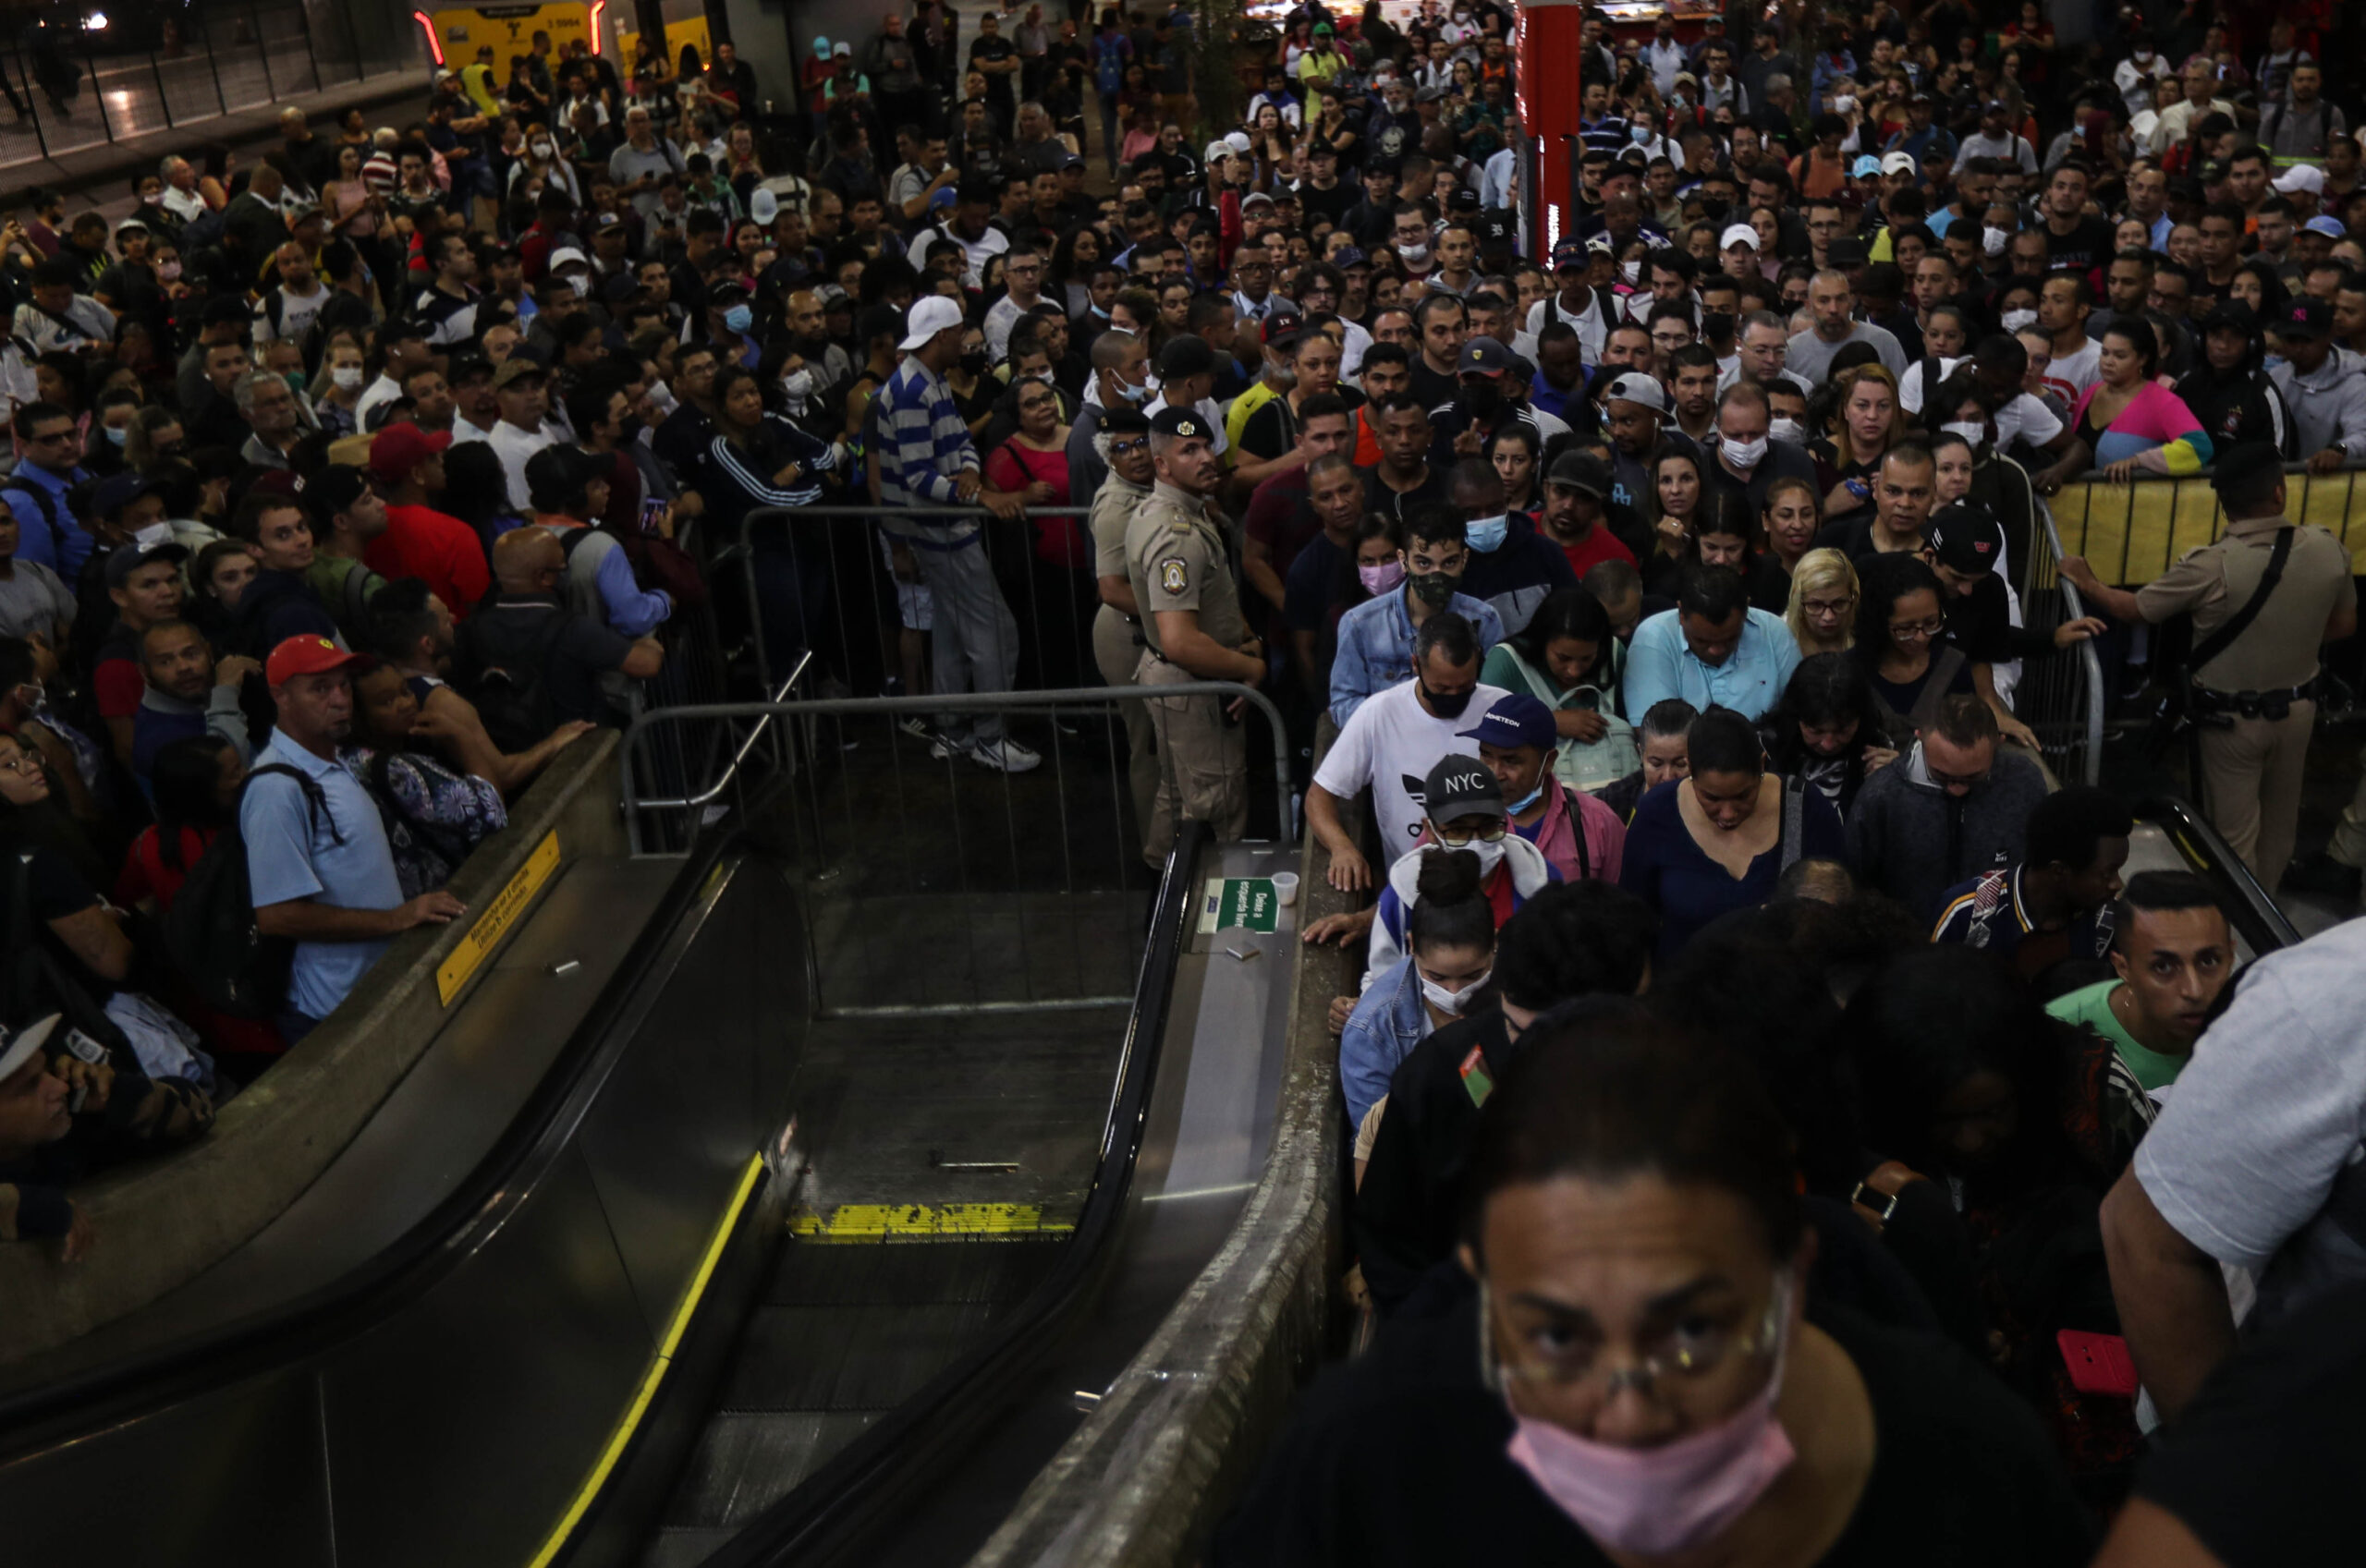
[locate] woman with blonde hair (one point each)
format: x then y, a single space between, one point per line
1823 611
1867 421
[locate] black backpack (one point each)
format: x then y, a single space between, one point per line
211 934
512 691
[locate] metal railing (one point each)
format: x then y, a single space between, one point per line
933 885
154 69
2061 694
2130 533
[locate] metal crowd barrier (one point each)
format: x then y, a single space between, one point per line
2130 533
2061 695
935 885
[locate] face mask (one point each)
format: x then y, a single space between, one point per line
1656 1502
1443 707
1992 240
295 380
1452 1002
799 386
1716 208
1487 534
973 362
2014 320
1787 431
740 318
170 272
1632 272
116 434
1414 256
1482 403
1436 591
1534 795
1641 133
1976 434
1844 105
661 397
1744 454
1379 580
2144 56
345 378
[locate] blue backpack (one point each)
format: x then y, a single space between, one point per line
1109 65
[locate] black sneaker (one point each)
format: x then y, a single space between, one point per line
2321 873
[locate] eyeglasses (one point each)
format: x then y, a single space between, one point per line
1827 606
1459 838
1128 448
1692 1349
1908 631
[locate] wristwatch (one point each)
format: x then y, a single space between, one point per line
1866 1194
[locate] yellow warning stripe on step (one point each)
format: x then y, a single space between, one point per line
876 1222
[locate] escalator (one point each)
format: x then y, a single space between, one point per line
728 1281
2171 836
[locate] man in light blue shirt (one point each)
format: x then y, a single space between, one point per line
1376 637
317 858
1712 649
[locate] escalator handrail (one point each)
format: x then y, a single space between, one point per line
2257 916
837 1495
218 1356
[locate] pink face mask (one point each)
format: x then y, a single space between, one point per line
1652 1501
1381 579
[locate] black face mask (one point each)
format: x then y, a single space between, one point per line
1445 707
1717 325
974 363
1436 589
1714 208
627 432
1482 401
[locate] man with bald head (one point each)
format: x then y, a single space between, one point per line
527 630
831 365
289 310
1830 302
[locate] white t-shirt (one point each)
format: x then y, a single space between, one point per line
2027 419
2072 375
514 447
1391 742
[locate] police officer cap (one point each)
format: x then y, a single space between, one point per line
1178 422
2245 469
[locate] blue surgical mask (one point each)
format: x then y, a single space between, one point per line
1530 798
740 318
1487 534
116 434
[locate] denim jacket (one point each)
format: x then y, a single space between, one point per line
1388 1022
1376 646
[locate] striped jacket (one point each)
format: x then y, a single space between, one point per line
925 448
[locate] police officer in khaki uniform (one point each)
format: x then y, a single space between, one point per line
1182 577
1122 442
2254 701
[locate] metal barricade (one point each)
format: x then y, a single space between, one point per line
2131 532
935 885
2061 695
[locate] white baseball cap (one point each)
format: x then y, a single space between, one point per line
1638 388
1238 141
1900 164
929 317
567 253
19 1046
1738 234
2301 177
1217 151
763 206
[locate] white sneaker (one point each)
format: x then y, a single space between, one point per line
1004 755
940 747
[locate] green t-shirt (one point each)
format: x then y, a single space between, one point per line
2091 1004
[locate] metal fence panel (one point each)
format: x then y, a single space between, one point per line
2130 533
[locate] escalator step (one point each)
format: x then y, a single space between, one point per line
746 1462
834 1274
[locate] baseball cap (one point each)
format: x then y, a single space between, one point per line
1215 151
396 450
1282 324
1569 253
1461 786
2331 228
2230 315
1636 387
1581 471
2240 464
1347 257
1483 357
1255 199
929 316
566 254
125 559
1965 538
2306 316
1428 95
763 206
1517 718
20 1046
332 490
2301 177
518 367
1186 353
1177 422
1867 166
1238 141
945 196
1845 251
118 491
1738 234
1900 164
307 655
605 222
1993 106
1323 29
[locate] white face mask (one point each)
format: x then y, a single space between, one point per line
1976 434
1414 256
1744 455
2014 320
542 148
1992 240
1789 431
1631 271
1844 105
661 397
1452 1002
345 378
799 384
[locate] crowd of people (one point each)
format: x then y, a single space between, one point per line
1655 585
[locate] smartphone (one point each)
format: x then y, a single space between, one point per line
2098 1363
653 511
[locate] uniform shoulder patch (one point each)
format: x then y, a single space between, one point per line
1173 574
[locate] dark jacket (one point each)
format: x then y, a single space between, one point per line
1913 840
1517 576
274 607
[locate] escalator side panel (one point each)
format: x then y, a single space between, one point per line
426 1409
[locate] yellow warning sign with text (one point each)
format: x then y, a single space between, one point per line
878 1222
493 923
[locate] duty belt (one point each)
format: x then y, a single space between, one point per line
2274 705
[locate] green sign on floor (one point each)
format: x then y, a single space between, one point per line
1239 904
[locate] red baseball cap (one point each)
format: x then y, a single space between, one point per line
398 449
309 656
